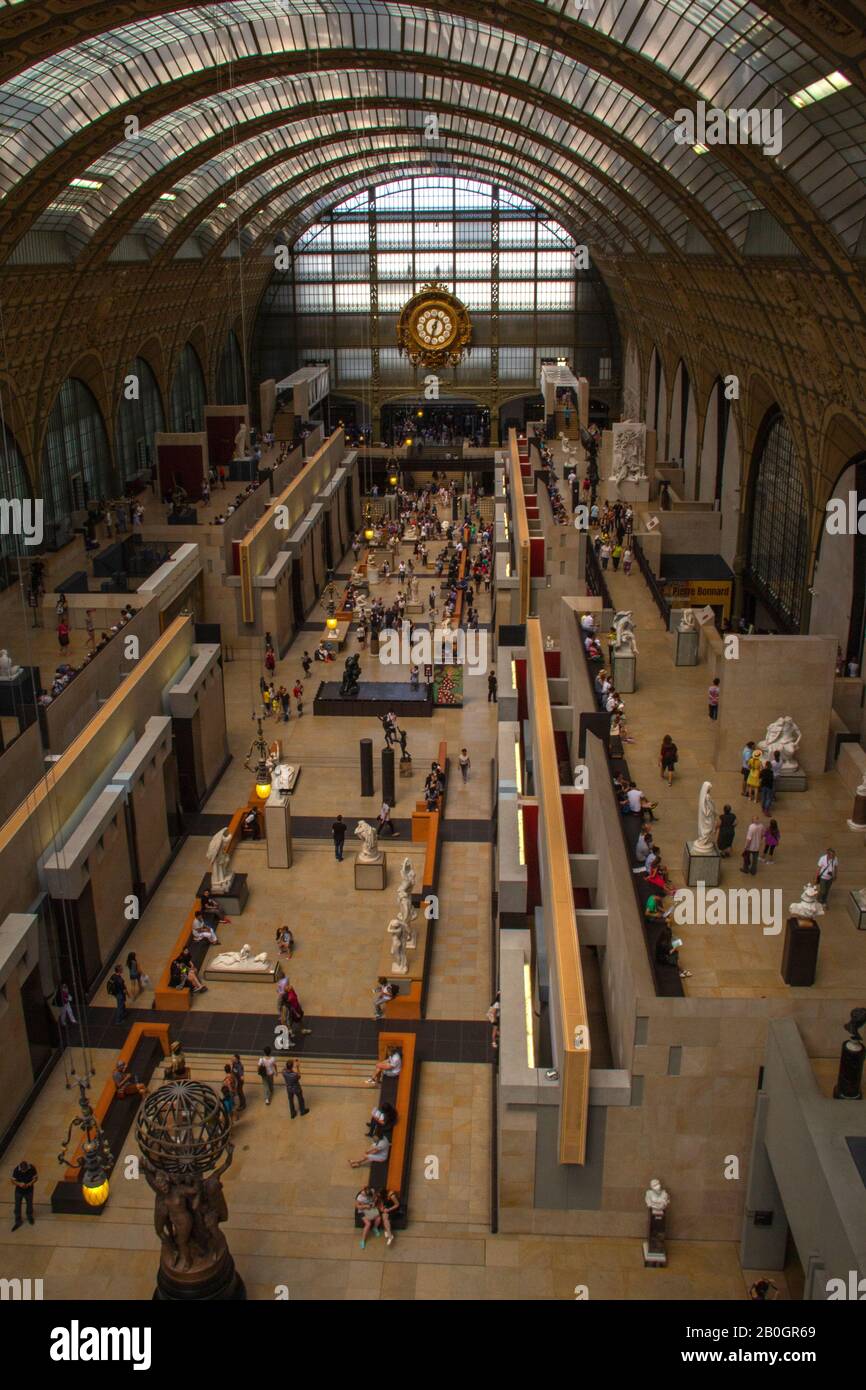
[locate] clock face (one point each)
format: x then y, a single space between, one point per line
435 326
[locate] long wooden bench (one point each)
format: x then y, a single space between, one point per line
145 1045
179 1001
401 1092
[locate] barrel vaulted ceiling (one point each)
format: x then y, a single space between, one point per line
251 117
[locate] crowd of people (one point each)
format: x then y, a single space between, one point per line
65 671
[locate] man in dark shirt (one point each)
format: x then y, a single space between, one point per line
338 830
292 1079
24 1177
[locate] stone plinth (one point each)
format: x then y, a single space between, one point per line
856 904
246 977
632 492
790 781
701 868
371 877
624 672
233 899
687 647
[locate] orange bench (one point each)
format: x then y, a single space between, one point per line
179 1001
101 1108
426 828
402 1092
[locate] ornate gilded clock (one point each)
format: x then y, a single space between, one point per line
434 329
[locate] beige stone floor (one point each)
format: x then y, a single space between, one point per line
290 1190
734 961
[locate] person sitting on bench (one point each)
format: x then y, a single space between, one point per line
187 975
382 1120
392 1065
124 1084
210 909
378 1152
202 931
250 825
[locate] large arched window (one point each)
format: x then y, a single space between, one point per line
230 385
139 416
778 554
13 483
188 392
76 459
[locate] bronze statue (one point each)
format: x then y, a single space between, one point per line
351 682
184 1136
172 1215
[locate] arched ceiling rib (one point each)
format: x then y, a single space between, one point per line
428 80
204 178
617 76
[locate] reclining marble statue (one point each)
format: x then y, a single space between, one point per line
242 960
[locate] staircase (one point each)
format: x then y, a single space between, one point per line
573 431
330 1072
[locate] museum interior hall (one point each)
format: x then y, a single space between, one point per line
444 424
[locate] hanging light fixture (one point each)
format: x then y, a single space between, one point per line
95 1157
259 752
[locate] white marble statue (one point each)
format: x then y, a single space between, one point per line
688 623
398 932
809 905
706 841
241 441
656 1198
218 852
413 588
8 671
371 853
624 627
281 777
406 909
627 455
241 960
783 736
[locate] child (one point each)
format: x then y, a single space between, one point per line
772 836
285 941
713 698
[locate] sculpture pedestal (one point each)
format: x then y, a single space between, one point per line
633 492
233 899
790 781
278 830
687 647
856 905
701 868
800 951
212 1282
246 977
623 668
405 767
654 1252
858 815
371 877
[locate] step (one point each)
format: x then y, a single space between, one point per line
329 1072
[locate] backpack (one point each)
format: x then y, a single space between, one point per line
111 985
